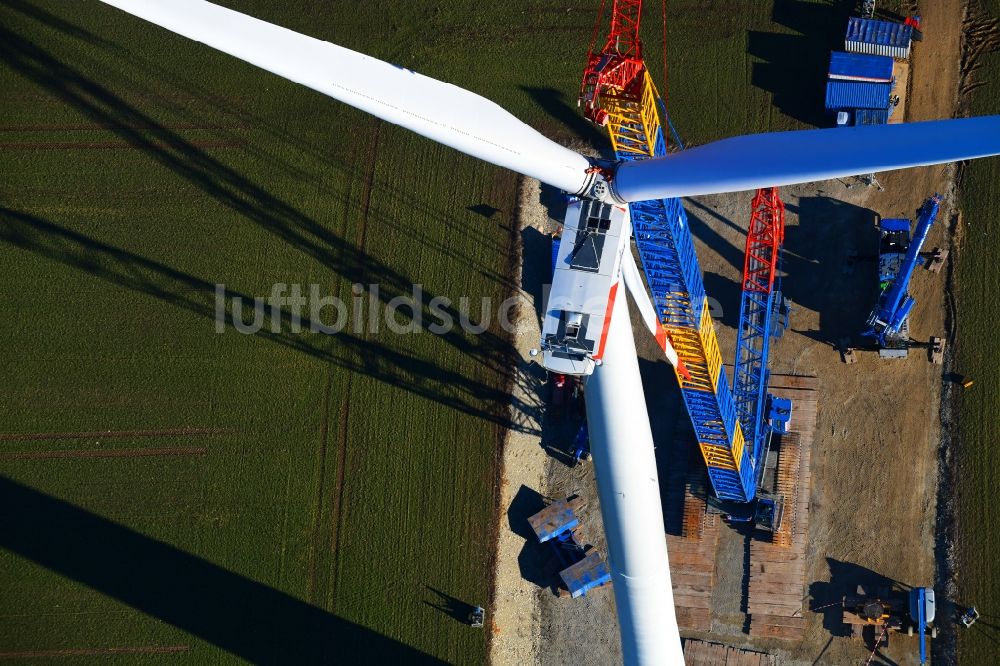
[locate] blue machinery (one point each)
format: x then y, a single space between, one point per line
887 322
581 567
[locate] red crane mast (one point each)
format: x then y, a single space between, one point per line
618 66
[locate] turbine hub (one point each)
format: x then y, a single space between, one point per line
598 184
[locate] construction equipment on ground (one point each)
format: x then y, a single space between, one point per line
898 256
581 567
899 609
906 611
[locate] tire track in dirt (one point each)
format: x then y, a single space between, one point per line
980 37
105 453
321 494
345 407
116 434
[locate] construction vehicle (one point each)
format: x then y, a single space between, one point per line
898 256
904 611
968 617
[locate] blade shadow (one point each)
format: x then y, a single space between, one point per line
239 615
352 352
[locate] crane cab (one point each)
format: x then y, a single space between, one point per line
584 286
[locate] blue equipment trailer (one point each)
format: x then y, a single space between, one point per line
582 568
899 255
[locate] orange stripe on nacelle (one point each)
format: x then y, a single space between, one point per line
607 321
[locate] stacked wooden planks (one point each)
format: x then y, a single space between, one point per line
692 571
777 569
702 653
692 539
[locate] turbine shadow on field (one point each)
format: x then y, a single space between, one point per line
490 349
793 67
345 350
218 180
553 102
819 272
249 620
243 117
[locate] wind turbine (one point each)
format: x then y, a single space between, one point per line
622 443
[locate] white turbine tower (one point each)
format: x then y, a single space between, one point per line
619 425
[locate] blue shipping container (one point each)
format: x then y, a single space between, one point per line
843 95
871 116
555 253
878 38
860 67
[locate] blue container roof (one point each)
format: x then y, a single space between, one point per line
857 95
871 116
555 253
860 66
872 31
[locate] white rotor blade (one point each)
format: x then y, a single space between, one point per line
636 287
625 464
439 111
786 158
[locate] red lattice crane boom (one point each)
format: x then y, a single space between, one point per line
618 65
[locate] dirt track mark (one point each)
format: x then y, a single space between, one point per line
980 35
324 431
90 652
115 434
345 408
106 145
105 453
91 127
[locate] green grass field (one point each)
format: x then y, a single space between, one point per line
978 357
276 497
281 497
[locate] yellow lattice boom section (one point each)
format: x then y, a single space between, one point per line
633 125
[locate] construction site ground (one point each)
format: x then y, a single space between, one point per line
875 447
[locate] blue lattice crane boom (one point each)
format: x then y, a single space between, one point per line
628 109
759 305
